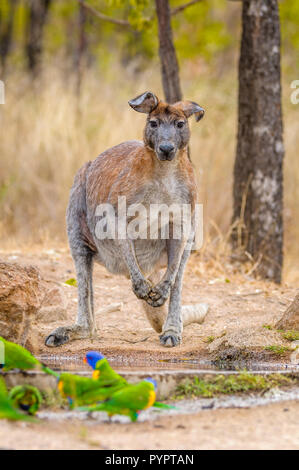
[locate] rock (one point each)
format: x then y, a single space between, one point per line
53 307
244 344
26 301
290 319
21 292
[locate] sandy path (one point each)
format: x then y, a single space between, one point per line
273 426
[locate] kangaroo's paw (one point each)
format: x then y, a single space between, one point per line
65 334
159 294
141 288
170 339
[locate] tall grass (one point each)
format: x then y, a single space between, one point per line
47 133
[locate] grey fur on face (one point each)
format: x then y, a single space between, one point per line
166 135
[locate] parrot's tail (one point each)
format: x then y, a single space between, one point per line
49 371
157 404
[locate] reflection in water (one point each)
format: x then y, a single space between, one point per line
76 364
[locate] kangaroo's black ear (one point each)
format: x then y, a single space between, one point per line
144 103
189 108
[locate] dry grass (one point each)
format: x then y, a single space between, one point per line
46 135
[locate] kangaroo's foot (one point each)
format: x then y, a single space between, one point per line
64 334
170 338
159 294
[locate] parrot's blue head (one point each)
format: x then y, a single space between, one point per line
152 381
92 357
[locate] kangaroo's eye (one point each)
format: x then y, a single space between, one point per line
153 124
181 124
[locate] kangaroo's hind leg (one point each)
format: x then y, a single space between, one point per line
85 323
83 251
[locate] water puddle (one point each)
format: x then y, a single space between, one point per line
126 364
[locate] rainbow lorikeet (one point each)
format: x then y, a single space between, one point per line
17 357
102 371
104 374
26 398
7 410
84 390
130 400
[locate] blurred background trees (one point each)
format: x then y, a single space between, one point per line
92 55
128 29
258 170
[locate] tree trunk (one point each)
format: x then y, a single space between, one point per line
6 35
290 319
169 63
37 18
81 47
258 180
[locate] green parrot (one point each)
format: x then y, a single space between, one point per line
103 372
7 410
130 400
17 357
26 397
84 390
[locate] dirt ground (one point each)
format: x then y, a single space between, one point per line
234 329
273 426
239 309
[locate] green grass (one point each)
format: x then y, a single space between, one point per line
229 384
277 349
209 339
268 327
291 335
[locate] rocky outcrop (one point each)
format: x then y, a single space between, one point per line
20 299
290 319
25 301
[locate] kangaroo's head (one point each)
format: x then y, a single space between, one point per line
167 129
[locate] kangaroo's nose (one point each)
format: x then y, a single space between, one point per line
166 148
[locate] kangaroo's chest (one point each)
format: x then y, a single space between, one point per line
168 190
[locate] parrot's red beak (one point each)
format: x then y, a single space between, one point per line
85 360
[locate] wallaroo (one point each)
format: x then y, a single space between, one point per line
155 171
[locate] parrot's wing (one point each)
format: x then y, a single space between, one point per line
129 398
107 376
17 357
99 394
77 387
3 389
133 397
